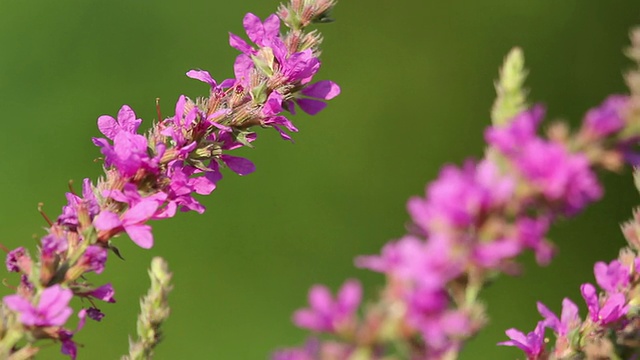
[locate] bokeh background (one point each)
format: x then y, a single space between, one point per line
417 85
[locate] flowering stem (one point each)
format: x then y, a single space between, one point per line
151 176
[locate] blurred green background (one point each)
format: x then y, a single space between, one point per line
417 85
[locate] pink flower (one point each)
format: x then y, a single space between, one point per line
569 321
613 277
532 343
607 118
613 308
132 222
52 308
327 314
565 179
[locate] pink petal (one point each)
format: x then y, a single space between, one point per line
203 186
242 67
17 303
108 126
104 293
141 235
271 26
203 76
310 106
127 119
282 133
324 89
106 220
236 42
238 165
320 299
253 27
227 83
140 212
54 298
60 318
273 105
350 295
82 316
308 319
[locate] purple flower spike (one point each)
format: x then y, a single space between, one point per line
532 343
326 314
52 309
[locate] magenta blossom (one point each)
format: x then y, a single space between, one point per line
95 258
613 277
88 201
608 118
565 179
569 319
327 314
129 152
52 308
613 308
461 196
429 265
428 311
132 222
131 196
261 33
532 343
52 245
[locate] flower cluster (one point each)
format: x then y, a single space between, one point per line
611 322
151 176
610 329
472 224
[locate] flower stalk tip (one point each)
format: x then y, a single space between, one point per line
154 311
511 96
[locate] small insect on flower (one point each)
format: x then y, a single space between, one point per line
323 18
